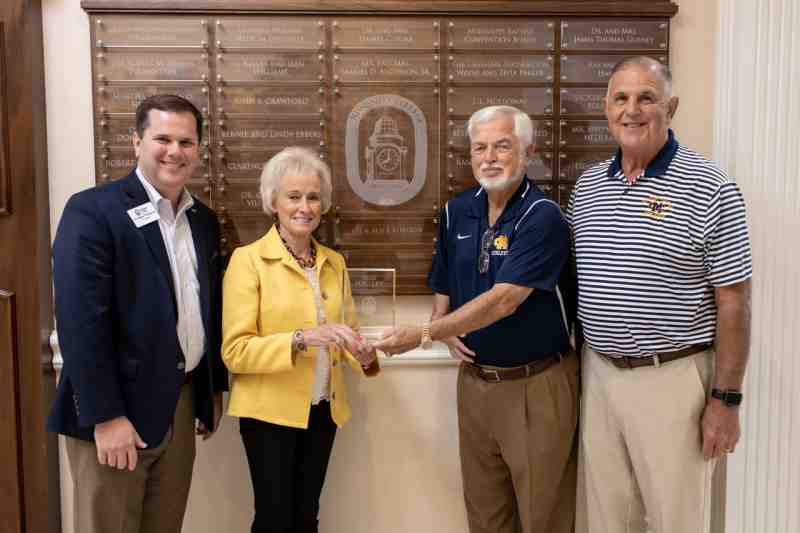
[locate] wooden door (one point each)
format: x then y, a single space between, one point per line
29 491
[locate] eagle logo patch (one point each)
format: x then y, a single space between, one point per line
657 207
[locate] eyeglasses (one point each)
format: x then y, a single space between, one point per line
486 242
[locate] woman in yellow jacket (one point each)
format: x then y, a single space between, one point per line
285 345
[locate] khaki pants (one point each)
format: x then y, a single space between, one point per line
518 450
641 459
152 498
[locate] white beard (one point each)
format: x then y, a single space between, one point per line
498 184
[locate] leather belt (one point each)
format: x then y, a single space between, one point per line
626 361
496 375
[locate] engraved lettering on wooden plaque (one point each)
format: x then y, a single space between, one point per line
503 33
573 164
626 34
271 100
116 131
501 68
583 101
261 134
591 68
531 100
386 230
150 31
585 133
385 68
304 33
115 163
387 32
269 67
240 196
244 164
153 66
125 98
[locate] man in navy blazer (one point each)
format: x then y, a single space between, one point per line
137 273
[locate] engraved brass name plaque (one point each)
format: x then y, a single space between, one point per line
614 35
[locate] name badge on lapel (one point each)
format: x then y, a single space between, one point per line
144 214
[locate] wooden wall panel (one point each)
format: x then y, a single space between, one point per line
10 478
5 181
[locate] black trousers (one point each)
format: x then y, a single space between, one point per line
287 467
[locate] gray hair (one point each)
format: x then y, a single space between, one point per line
297 161
523 126
649 64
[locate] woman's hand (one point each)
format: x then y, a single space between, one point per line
344 337
327 334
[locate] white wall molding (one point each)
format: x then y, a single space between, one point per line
756 138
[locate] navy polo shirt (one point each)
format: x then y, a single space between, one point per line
529 249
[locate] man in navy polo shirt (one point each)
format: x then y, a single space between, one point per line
501 249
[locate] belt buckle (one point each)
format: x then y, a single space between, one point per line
486 372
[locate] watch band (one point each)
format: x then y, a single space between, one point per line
299 341
730 397
425 341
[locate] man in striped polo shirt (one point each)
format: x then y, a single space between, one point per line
664 269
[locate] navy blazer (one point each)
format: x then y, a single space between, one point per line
116 316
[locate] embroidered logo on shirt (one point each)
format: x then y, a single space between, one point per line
462 237
657 207
501 242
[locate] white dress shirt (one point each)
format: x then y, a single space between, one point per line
178 241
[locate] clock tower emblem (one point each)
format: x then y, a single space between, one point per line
386 152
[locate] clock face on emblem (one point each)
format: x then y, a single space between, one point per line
388 159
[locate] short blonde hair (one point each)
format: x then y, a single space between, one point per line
297 161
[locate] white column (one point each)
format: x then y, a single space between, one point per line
757 139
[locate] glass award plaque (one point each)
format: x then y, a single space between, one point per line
369 300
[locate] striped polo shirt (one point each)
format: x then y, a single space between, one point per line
649 254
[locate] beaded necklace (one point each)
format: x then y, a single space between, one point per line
304 263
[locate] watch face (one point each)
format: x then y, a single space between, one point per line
388 159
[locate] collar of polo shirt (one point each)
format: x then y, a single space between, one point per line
657 167
479 207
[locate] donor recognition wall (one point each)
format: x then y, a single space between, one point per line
382 96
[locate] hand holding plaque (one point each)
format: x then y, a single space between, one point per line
368 302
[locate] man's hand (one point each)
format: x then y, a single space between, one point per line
116 441
399 340
201 428
720 429
458 349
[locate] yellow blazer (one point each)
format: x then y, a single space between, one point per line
266 297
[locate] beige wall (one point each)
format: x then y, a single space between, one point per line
692 55
395 466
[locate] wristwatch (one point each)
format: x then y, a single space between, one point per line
425 341
730 397
299 341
